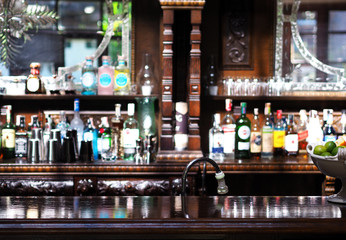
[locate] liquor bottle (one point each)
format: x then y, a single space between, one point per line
325 116
267 133
34 83
303 133
90 134
77 123
216 139
291 138
130 133
104 138
284 122
256 136
212 77
279 135
228 127
315 132
89 80
242 134
62 125
117 123
8 136
105 77
342 124
21 141
48 126
122 82
329 133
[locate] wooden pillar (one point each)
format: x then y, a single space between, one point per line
195 80
167 81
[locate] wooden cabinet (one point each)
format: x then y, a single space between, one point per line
180 35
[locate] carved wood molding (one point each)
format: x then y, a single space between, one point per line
183 3
328 186
236 29
27 187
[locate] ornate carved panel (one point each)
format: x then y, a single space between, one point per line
26 187
133 187
236 31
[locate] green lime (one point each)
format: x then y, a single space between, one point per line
335 151
326 154
319 149
330 145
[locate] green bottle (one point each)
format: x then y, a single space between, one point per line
8 136
242 134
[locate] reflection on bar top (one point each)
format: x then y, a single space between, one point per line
166 207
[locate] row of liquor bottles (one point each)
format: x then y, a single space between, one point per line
103 80
244 138
117 139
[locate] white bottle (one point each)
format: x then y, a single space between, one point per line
77 122
315 132
216 140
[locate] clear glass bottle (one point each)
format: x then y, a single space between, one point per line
89 80
34 83
145 78
216 140
90 134
267 133
62 125
342 124
291 138
279 135
228 127
303 132
329 133
242 135
256 136
77 123
21 141
130 133
8 136
117 124
315 132
122 81
212 78
105 75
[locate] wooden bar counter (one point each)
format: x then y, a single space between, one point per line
166 217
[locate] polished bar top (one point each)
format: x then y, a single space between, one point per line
172 215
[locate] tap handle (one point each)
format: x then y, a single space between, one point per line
222 187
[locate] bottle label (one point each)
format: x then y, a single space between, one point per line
217 144
88 79
279 139
267 143
88 136
255 142
243 145
328 138
106 143
244 132
121 80
229 138
33 84
303 135
8 138
21 146
130 136
105 80
291 143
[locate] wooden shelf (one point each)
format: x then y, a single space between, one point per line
280 98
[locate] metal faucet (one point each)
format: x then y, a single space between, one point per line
219 175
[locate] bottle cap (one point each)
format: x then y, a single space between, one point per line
228 104
279 114
217 118
255 111
35 65
131 109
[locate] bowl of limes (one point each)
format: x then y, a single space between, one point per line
330 159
